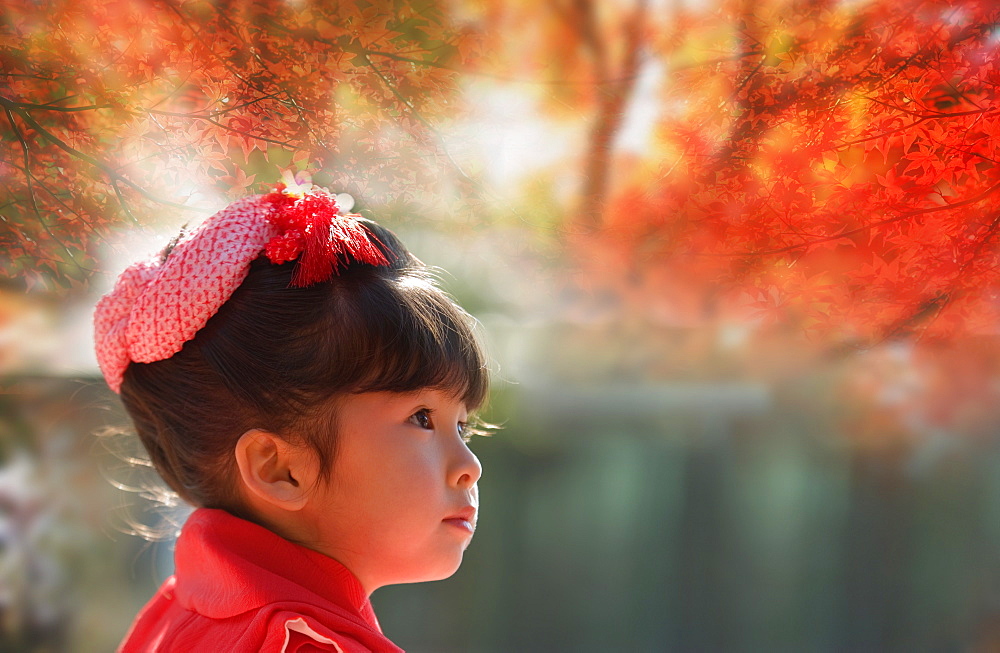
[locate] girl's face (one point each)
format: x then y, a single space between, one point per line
402 502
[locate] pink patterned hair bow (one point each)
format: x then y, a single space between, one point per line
158 305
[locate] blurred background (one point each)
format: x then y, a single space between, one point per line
736 264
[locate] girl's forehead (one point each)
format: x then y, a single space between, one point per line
431 397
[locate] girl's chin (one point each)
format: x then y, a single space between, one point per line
439 572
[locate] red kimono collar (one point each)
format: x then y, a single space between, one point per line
226 566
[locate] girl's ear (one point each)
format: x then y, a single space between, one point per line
275 471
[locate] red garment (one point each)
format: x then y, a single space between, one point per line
238 588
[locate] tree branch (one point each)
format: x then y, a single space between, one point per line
195 116
86 158
610 115
420 118
850 232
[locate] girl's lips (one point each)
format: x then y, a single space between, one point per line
464 519
459 522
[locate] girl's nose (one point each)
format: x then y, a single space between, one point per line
466 469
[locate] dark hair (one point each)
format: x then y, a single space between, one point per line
277 358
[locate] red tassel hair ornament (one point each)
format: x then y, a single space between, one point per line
312 229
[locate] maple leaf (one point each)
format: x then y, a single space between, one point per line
118 109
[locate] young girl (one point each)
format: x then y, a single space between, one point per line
296 375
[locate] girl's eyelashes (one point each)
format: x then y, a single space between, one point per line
422 418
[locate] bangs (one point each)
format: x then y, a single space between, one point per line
404 336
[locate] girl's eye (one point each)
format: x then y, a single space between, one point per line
466 437
422 418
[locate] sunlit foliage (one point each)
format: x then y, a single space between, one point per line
118 110
834 164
